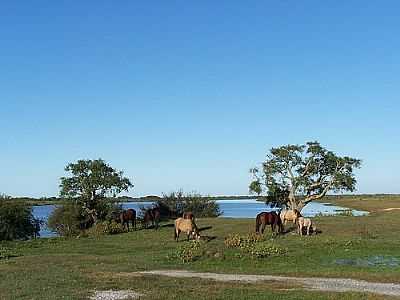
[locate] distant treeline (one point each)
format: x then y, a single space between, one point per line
154 198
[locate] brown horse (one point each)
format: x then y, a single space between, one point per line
188 215
126 216
187 226
268 218
152 215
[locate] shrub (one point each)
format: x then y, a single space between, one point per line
17 221
253 244
176 203
189 251
103 228
264 249
242 241
70 219
67 220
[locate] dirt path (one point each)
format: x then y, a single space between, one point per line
315 283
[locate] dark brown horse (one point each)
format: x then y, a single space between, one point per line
268 218
152 215
126 216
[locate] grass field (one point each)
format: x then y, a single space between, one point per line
72 268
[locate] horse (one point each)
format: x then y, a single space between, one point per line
289 215
268 218
152 215
126 216
305 223
186 225
188 215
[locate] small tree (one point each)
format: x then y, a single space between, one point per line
295 175
91 182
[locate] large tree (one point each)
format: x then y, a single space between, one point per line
91 181
294 175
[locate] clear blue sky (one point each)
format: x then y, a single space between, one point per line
191 94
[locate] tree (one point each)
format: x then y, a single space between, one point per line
92 181
295 175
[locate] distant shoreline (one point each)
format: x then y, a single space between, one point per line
328 198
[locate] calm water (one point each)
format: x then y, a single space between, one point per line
230 209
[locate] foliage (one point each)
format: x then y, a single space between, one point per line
17 221
90 182
253 244
242 241
264 249
67 220
70 219
176 203
106 227
189 251
295 175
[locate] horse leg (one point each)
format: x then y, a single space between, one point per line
308 230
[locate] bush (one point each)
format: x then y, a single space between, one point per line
105 227
71 219
17 221
264 249
67 220
189 251
253 244
173 205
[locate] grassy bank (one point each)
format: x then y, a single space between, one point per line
72 268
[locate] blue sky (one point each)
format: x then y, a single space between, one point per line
191 95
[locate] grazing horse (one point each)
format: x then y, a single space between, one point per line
268 218
152 215
126 216
188 226
305 223
289 215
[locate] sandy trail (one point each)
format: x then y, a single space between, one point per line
314 283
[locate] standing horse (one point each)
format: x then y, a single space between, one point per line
126 216
306 223
268 218
289 215
188 215
152 215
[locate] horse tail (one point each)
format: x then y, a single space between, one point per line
258 222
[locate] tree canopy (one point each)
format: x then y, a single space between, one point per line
294 175
92 180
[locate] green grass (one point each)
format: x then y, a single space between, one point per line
60 268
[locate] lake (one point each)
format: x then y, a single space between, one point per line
248 208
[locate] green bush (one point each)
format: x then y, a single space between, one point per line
264 249
67 220
71 219
253 244
189 251
105 227
17 221
176 203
